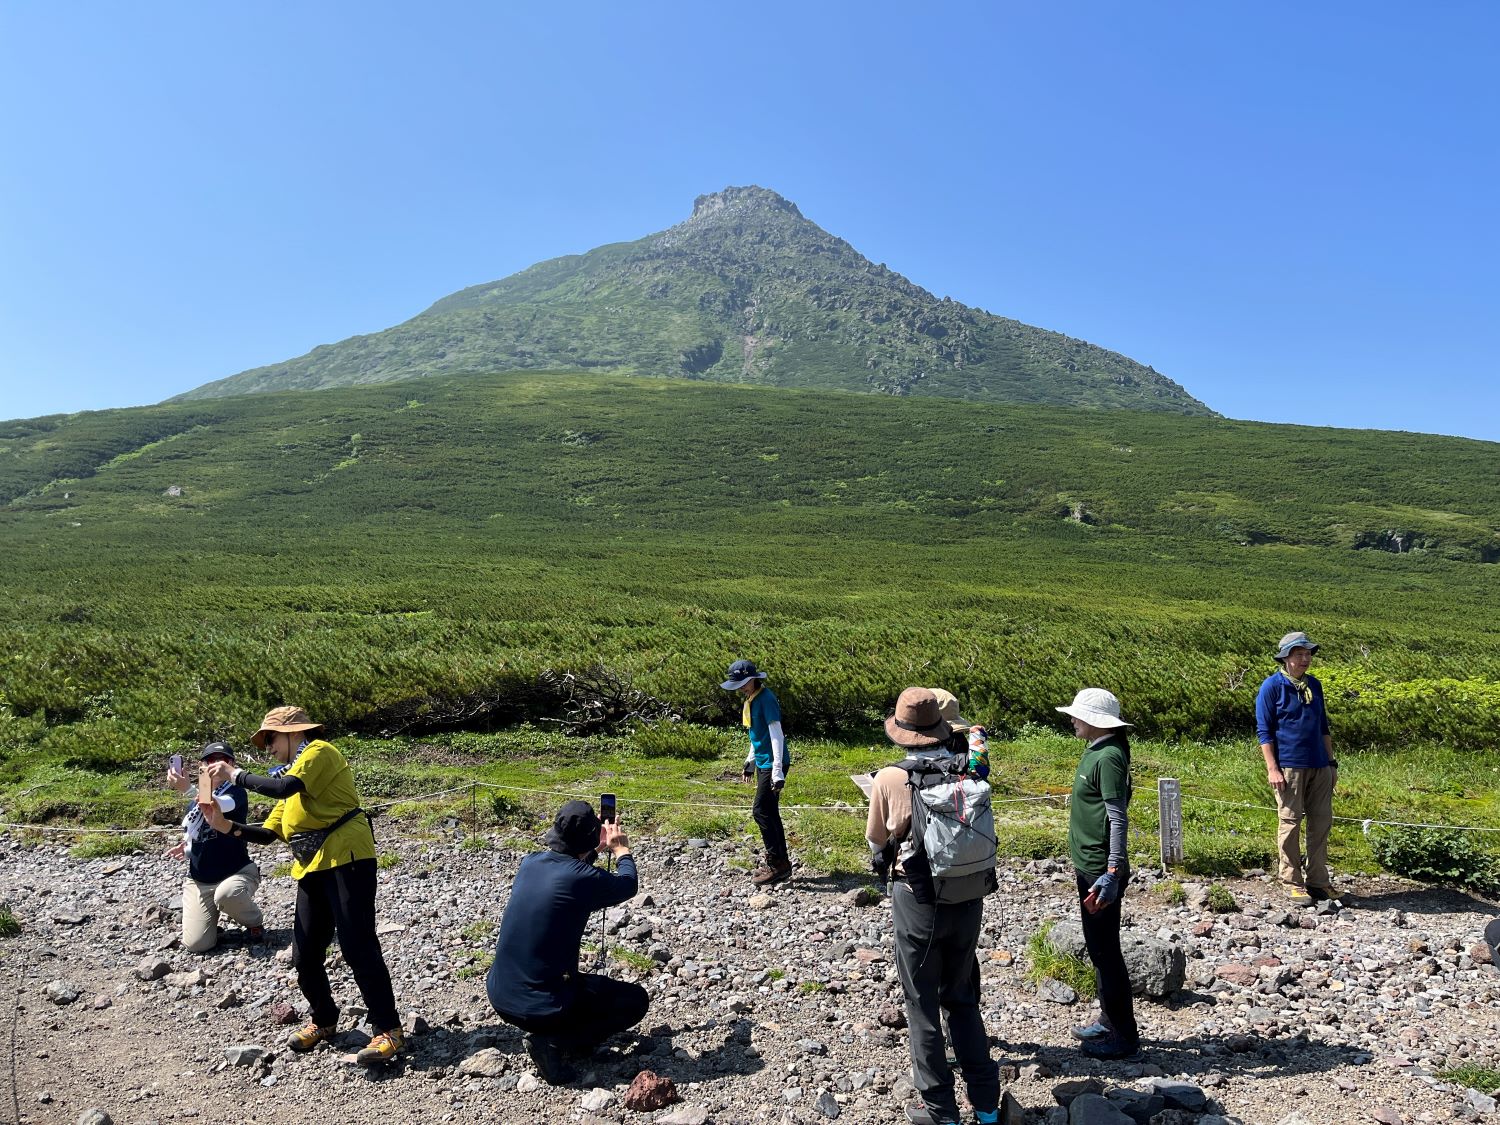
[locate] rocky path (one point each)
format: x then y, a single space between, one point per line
765 1007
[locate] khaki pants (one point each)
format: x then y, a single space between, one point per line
202 902
1307 794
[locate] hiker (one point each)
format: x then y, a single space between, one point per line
936 919
534 981
317 812
220 876
1292 725
1097 832
768 762
968 738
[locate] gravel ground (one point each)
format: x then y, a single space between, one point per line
765 1007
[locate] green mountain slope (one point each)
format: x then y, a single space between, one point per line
745 291
423 556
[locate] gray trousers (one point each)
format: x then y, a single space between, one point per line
939 973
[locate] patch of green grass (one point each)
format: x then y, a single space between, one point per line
776 974
637 961
1221 900
1171 892
281 870
388 859
1485 1079
10 925
479 930
476 843
1029 840
1043 960
104 847
811 986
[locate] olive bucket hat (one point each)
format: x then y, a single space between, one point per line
292 720
1291 641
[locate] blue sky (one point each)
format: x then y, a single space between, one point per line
1288 208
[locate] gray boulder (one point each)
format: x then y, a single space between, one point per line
1157 968
1095 1109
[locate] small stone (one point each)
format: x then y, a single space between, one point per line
761 902
95 1116
892 1017
1180 1095
487 1063
230 999
152 968
861 896
1002 957
689 1113
70 918
283 1013
597 1099
1385 1115
1066 1092
247 1054
528 1083
650 1091
60 992
827 1105
1055 992
190 979
811 1047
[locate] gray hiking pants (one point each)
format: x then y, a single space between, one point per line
939 973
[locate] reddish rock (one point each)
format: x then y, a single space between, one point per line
1237 973
1203 929
1482 953
650 1091
283 1013
892 1016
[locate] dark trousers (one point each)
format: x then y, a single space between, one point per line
1101 934
341 901
600 1008
939 974
768 819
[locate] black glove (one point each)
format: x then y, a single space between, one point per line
880 863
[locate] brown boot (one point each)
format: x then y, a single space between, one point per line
775 870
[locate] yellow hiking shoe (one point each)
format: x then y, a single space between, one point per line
309 1037
383 1048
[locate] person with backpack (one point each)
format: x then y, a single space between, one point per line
931 832
1097 831
767 762
318 814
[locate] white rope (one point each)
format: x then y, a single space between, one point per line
1365 823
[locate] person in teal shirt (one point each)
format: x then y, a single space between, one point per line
768 762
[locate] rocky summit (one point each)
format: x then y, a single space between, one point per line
783 1010
746 290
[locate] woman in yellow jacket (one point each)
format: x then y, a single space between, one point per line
318 813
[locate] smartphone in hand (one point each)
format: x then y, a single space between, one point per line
1091 901
607 808
176 763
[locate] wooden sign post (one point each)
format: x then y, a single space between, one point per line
1169 809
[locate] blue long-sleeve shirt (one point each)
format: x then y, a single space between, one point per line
535 972
1294 728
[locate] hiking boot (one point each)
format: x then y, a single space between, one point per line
383 1048
918 1113
1298 896
1320 894
547 1056
1111 1047
310 1036
773 872
1095 1030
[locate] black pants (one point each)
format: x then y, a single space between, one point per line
600 1008
768 819
1101 934
342 901
939 973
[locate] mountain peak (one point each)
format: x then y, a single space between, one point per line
742 199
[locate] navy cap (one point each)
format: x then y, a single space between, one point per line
576 829
741 672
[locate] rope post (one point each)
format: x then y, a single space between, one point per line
1169 813
473 808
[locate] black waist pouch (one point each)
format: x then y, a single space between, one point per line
306 845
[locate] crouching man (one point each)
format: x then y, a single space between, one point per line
534 982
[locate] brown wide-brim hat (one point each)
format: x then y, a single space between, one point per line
290 720
917 722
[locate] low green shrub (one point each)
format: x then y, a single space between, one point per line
1485 1079
688 741
1030 841
1045 961
105 847
10 925
1221 900
1225 855
1171 892
1438 856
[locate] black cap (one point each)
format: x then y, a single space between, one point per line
214 749
576 829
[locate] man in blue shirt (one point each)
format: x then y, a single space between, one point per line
768 761
534 981
1292 725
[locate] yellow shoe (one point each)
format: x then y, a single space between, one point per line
383 1048
309 1037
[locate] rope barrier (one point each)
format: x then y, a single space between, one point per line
1365 823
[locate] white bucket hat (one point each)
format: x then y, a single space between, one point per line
1097 707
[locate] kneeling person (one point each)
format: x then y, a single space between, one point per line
221 877
534 982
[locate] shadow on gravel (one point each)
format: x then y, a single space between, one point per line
1420 900
1249 1055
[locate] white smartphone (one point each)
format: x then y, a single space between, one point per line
176 763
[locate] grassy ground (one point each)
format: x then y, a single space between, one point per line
527 771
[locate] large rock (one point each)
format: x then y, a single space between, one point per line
486 1063
61 992
1157 968
1095 1109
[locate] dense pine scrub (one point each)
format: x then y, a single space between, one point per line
453 555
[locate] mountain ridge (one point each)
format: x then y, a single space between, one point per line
745 290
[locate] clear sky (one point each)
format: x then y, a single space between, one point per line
1289 208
